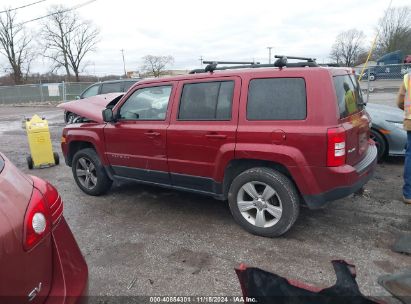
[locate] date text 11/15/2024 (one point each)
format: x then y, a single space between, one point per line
201 299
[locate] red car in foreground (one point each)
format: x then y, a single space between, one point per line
40 261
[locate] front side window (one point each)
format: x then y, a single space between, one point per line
206 101
92 91
277 99
146 104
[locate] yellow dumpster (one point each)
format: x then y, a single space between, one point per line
41 151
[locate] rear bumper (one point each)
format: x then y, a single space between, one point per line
351 179
70 272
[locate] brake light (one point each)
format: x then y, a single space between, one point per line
37 222
43 213
336 147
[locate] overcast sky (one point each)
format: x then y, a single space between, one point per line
214 29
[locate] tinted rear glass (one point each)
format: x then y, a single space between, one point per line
277 99
349 96
111 87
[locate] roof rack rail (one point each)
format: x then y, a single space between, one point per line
230 62
298 58
279 63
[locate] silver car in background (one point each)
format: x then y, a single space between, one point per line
387 129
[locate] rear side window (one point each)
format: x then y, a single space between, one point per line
277 99
111 87
206 101
349 96
1 164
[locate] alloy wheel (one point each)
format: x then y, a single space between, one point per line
259 204
86 173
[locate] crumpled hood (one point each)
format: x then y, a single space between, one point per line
91 107
385 112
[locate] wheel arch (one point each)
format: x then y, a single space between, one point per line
387 144
75 146
237 166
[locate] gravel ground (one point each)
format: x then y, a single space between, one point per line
141 240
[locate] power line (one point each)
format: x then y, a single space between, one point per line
59 12
23 6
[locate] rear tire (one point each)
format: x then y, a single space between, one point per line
89 173
29 162
372 77
56 158
380 143
268 200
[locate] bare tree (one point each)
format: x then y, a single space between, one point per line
16 45
67 39
394 31
347 47
155 65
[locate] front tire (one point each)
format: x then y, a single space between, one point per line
264 202
89 173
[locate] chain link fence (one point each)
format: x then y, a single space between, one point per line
380 83
47 92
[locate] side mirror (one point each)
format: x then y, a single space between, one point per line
108 115
77 97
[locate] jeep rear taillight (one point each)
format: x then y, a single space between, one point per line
336 147
43 213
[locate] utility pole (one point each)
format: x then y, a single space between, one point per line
269 54
201 61
124 63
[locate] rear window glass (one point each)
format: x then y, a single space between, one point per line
1 164
349 96
111 87
277 99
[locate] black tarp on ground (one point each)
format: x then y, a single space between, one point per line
268 288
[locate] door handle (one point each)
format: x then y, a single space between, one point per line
152 134
216 136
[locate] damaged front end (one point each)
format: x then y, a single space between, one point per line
89 109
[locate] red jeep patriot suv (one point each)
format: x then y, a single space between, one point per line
266 137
